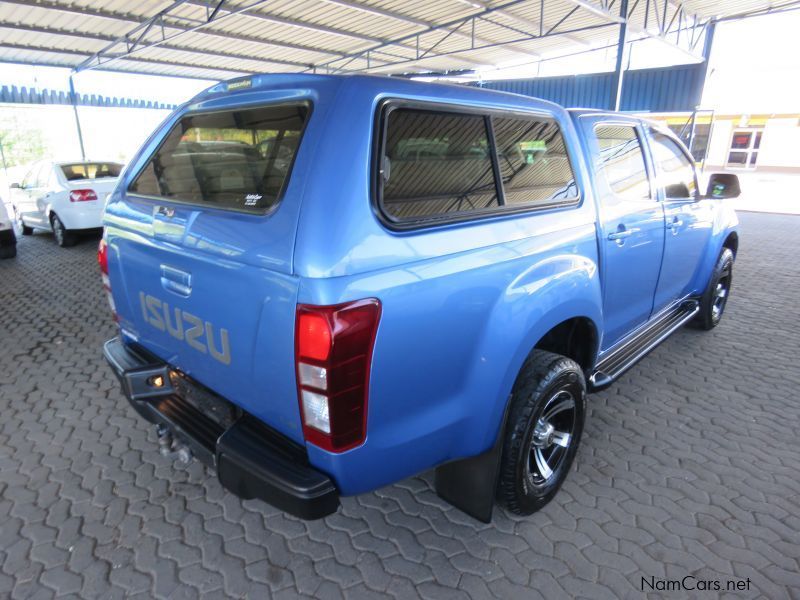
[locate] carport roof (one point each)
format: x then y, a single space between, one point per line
220 39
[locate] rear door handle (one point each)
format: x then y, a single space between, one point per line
676 224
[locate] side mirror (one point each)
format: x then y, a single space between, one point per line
722 186
16 186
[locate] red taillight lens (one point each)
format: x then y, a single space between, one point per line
102 256
102 260
82 195
333 354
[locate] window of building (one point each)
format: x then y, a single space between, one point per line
745 144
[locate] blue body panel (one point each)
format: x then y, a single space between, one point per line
462 304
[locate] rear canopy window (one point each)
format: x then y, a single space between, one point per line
436 163
440 165
234 159
95 170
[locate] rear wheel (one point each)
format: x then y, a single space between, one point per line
545 423
715 298
64 237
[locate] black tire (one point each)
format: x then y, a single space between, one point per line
715 298
546 379
63 236
8 251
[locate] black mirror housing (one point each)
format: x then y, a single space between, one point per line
722 186
15 186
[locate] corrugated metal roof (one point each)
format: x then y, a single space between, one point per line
218 40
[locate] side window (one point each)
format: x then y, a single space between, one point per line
436 164
533 162
675 170
621 162
43 176
30 177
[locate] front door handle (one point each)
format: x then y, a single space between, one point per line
621 233
675 225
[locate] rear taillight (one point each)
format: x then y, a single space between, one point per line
102 260
333 354
82 195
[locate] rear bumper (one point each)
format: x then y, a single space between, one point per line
77 217
251 459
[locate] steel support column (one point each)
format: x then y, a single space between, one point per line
622 51
74 101
709 42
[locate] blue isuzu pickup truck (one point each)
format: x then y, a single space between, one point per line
326 284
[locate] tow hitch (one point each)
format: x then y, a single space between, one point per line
169 445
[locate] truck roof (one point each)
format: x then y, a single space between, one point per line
375 85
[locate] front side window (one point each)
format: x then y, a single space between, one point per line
675 170
533 162
237 159
621 164
436 164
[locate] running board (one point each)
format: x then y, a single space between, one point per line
627 355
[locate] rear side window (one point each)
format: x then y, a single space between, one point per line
533 162
435 164
621 162
237 160
78 171
438 165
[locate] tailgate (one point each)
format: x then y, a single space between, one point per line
200 249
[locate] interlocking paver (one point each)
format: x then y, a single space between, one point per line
690 464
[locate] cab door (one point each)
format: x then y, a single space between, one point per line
26 196
688 219
631 223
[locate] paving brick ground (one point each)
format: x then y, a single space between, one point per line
690 466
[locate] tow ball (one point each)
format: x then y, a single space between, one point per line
169 445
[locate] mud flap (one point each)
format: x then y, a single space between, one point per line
470 484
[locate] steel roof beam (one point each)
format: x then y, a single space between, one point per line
108 38
661 37
318 28
428 25
534 26
83 54
129 18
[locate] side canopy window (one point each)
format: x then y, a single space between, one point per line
675 170
237 159
621 162
436 163
533 162
439 164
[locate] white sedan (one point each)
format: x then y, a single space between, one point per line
64 197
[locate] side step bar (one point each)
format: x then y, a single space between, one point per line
627 355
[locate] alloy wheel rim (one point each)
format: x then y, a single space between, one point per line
720 298
551 438
58 231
